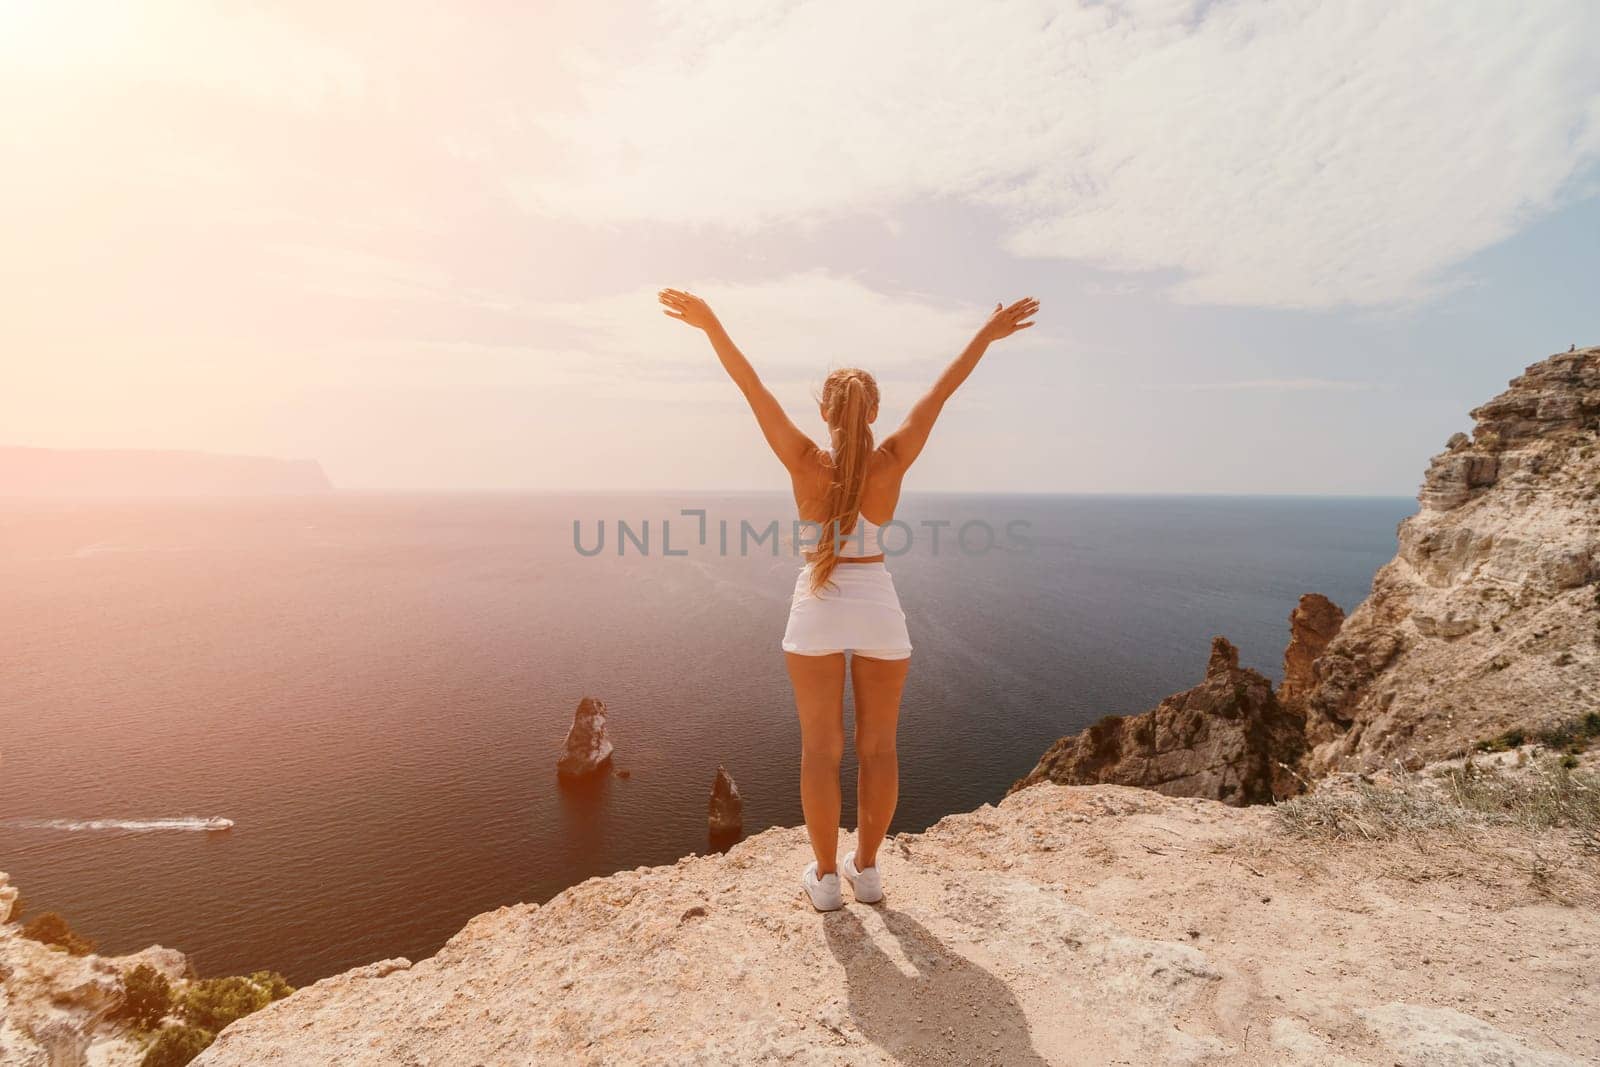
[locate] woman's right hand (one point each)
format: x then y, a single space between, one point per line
686 307
1004 322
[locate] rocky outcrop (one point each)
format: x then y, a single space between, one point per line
55 1008
588 748
1313 623
725 812
1064 926
1488 618
1226 739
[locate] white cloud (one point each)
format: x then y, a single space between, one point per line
1289 154
794 329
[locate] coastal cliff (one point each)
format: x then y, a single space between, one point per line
1376 919
1416 903
1487 620
56 472
1484 626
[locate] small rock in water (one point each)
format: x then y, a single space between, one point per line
725 813
587 748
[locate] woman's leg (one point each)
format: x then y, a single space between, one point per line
819 700
878 684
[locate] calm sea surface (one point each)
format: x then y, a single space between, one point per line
375 688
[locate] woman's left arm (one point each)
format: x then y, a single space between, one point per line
788 443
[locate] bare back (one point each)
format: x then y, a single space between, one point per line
879 496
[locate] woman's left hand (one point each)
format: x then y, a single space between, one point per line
1005 321
686 307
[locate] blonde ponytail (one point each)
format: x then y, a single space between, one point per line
849 403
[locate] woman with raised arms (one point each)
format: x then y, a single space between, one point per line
844 598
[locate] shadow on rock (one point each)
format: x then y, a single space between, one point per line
950 1011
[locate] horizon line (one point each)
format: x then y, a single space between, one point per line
619 491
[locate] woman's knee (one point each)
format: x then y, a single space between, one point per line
874 745
825 749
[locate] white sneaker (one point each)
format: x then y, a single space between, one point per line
867 885
824 892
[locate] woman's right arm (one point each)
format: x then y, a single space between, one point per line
905 444
787 441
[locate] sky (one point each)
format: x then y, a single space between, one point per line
1279 248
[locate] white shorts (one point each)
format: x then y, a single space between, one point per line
860 613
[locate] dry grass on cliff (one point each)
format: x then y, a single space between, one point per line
1537 796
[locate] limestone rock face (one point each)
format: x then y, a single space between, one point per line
54 1007
1488 618
587 748
725 813
1067 925
1226 739
1314 622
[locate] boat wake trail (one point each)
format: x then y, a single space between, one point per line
185 822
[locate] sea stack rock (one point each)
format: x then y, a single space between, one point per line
1313 623
726 810
587 749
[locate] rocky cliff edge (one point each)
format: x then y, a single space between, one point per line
1066 925
55 1008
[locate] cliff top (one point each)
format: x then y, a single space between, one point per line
1552 404
1067 925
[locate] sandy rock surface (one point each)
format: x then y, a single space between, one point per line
1068 925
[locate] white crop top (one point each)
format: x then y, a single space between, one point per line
862 541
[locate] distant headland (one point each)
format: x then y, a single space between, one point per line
94 472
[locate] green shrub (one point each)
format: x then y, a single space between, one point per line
1514 738
213 1003
275 984
176 1046
51 929
1574 734
146 997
